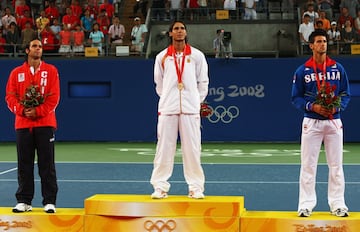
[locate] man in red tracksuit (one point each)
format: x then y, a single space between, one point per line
32 94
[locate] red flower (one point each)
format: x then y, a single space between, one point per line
326 97
32 97
205 110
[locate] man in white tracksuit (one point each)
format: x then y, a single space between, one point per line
181 78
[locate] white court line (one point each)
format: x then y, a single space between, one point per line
204 163
7 171
182 182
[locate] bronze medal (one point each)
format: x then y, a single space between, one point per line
180 86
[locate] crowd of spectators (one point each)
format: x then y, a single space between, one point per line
64 27
343 29
68 26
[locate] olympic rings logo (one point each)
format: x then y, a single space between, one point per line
159 225
220 113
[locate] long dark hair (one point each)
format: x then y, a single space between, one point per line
171 28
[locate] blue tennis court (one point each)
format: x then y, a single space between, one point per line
266 187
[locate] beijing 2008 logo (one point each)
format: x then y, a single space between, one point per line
223 114
160 225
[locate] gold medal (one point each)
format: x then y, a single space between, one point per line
180 86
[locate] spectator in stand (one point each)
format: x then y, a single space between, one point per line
96 37
12 38
334 38
64 4
203 9
351 5
92 8
343 17
357 22
116 33
21 8
314 16
27 34
7 19
2 42
52 11
76 8
176 9
36 6
349 36
306 4
250 9
21 21
41 22
66 38
230 5
327 7
86 23
319 25
213 6
142 5
138 34
104 22
305 29
158 10
326 22
108 7
79 40
70 19
48 40
56 28
192 7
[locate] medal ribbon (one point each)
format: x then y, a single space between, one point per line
317 75
179 71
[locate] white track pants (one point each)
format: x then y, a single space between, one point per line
314 132
188 126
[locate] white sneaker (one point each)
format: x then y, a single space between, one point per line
304 213
22 207
159 194
49 208
340 212
197 194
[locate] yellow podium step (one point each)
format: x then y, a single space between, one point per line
106 212
274 221
69 220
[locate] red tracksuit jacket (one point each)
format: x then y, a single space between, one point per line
47 78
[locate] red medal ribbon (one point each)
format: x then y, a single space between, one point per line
171 52
317 75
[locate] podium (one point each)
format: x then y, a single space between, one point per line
118 213
176 213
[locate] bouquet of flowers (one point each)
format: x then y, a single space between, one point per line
32 97
326 97
205 110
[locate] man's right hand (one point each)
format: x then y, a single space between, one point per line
322 110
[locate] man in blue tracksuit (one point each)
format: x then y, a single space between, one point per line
321 124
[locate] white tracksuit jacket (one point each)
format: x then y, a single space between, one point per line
195 79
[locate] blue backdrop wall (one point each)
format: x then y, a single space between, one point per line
115 100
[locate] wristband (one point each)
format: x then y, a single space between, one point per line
309 106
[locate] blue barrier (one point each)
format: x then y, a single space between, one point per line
115 100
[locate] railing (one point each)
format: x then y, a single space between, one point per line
272 10
338 48
108 50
